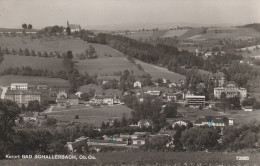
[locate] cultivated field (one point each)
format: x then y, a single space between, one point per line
228 33
160 72
106 66
91 115
54 43
37 63
175 32
146 158
8 79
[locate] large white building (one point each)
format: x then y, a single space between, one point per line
193 100
231 90
19 86
23 97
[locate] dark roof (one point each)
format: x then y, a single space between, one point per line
74 26
104 97
107 78
22 92
72 96
248 107
187 121
61 100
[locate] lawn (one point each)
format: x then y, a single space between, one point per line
146 158
107 66
37 63
8 79
160 72
91 115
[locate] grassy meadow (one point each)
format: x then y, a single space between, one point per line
107 65
160 72
8 79
36 63
59 44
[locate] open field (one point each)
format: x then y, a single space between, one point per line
239 116
52 44
160 72
36 63
244 117
146 158
175 32
8 79
225 33
91 115
106 66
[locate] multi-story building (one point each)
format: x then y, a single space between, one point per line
231 90
193 100
19 86
23 97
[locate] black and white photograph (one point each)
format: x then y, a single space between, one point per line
129 83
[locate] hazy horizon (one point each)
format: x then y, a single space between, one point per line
102 13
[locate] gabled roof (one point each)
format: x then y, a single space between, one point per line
108 78
248 107
72 96
22 92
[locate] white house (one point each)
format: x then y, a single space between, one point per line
180 123
171 85
137 84
248 108
139 141
153 92
19 86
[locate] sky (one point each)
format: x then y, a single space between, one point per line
41 13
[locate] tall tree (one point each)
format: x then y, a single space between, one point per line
30 26
9 111
24 26
68 30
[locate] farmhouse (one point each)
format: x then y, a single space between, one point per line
139 141
78 143
231 90
105 79
145 123
64 100
137 84
180 123
248 108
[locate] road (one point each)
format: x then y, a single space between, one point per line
3 92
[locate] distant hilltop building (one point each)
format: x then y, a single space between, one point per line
231 90
73 27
